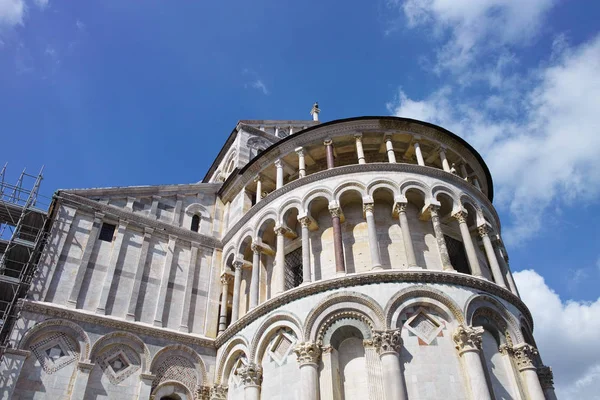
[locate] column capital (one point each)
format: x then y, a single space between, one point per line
238 264
433 210
256 178
368 207
218 392
173 238
327 142
147 377
278 163
400 207
98 216
546 377
388 341
307 353
460 216
358 136
299 151
280 230
84 366
251 375
335 212
148 232
525 355
387 137
123 223
467 338
305 221
483 230
226 278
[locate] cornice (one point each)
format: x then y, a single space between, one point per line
356 169
147 190
159 226
369 278
351 127
56 311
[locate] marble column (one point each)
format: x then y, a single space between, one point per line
500 255
411 259
139 272
251 376
258 188
164 282
254 283
468 344
476 183
461 217
484 231
546 378
177 212
85 259
280 258
444 160
439 237
463 171
11 364
301 162
112 266
338 246
525 356
81 380
306 273
308 354
389 148
189 286
418 153
389 345
218 392
146 385
359 149
368 209
329 151
225 281
279 179
237 281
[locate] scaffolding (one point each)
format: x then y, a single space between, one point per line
24 227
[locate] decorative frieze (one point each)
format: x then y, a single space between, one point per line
467 338
388 341
308 353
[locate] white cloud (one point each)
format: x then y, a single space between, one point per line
469 28
567 336
539 137
259 84
42 4
11 13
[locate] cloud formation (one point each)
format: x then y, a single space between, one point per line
12 13
566 333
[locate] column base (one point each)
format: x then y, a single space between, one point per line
184 328
130 317
157 323
100 311
71 304
415 267
377 268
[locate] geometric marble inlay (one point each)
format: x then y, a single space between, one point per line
424 326
54 352
118 363
281 347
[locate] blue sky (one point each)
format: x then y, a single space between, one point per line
128 93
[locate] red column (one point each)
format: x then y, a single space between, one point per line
329 148
337 239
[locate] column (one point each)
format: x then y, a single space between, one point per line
177 211
500 254
463 171
476 183
146 385
468 344
258 188
85 260
225 279
218 392
164 281
445 164
372 231
439 237
418 153
154 207
279 167
11 364
301 162
359 149
305 222
189 286
329 150
491 256
137 280
461 217
525 356
254 284
237 281
411 259
112 265
81 380
251 376
280 258
389 148
308 354
338 246
389 345
546 378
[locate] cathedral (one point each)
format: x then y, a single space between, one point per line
356 259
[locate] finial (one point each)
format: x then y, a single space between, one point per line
315 111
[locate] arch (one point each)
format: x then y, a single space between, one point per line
349 186
438 189
167 388
175 348
415 185
197 209
126 338
59 324
382 184
487 215
350 305
395 303
262 219
480 300
341 326
288 205
246 235
235 346
314 194
268 327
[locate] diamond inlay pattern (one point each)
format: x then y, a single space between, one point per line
54 352
119 363
425 326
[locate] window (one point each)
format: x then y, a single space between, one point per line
107 232
458 256
293 269
195 223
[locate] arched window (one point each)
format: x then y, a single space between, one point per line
195 223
